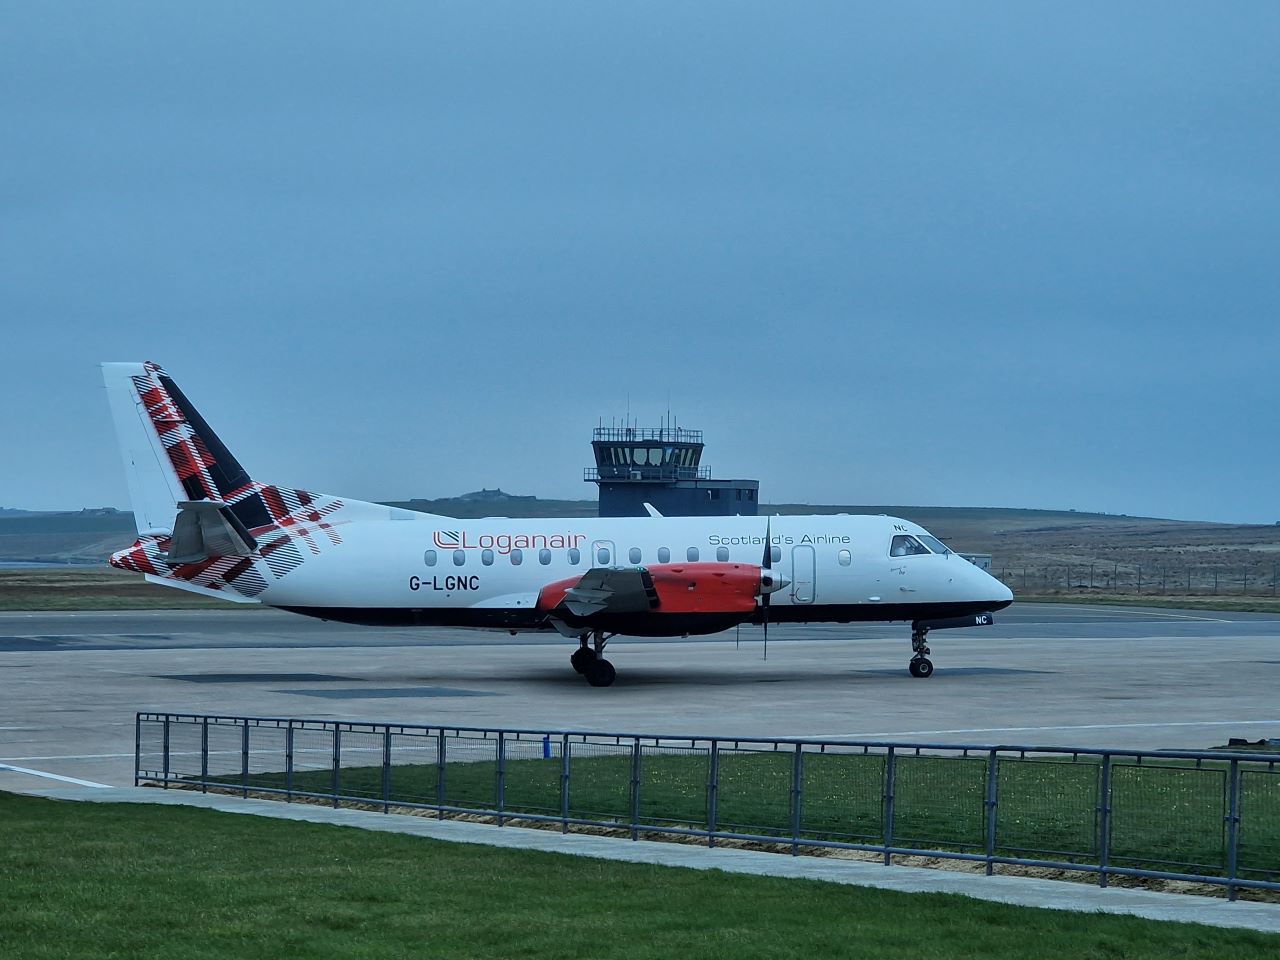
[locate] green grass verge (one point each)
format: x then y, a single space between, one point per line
97 588
1167 815
1224 604
123 880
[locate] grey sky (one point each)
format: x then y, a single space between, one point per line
996 254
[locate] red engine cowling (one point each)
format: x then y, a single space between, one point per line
706 587
686 588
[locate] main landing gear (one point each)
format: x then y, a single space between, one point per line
920 665
588 660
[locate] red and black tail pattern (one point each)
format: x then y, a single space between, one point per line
287 524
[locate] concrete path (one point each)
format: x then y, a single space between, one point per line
1021 891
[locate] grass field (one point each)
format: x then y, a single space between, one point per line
1166 815
96 588
1168 602
110 881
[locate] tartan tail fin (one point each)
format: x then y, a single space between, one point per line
171 454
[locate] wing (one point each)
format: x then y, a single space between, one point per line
611 590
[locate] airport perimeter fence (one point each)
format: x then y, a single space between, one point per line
1099 576
1209 817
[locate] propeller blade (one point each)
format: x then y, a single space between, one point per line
767 564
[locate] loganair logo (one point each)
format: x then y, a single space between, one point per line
504 543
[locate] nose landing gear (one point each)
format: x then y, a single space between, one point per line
920 665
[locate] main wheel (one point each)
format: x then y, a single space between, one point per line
921 667
582 658
600 673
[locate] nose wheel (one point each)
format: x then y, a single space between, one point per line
920 665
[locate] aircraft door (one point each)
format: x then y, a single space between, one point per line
803 569
603 553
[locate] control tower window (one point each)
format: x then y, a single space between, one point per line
641 456
906 547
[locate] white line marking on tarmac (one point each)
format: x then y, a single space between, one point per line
1079 726
55 776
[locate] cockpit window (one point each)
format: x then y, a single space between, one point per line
906 547
934 544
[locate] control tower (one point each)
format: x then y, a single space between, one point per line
662 466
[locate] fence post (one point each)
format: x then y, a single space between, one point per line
386 769
991 804
797 797
1233 826
713 793
500 783
1104 820
244 758
204 755
288 762
1244 590
889 782
440 760
1139 579
564 783
337 762
635 789
165 753
137 747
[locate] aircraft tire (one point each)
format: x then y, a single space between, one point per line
582 659
600 673
921 667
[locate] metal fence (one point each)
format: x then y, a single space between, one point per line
1209 817
1154 579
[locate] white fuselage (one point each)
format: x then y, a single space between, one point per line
839 566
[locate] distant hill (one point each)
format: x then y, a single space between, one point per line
1014 537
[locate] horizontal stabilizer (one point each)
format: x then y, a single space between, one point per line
229 595
207 528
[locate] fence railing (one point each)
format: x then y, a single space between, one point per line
1209 817
1082 577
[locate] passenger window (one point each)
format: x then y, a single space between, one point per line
602 555
722 554
775 554
544 556
486 557
844 558
664 555
459 557
517 557
429 558
692 554
906 547
633 555
575 556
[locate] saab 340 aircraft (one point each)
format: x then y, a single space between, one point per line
205 526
